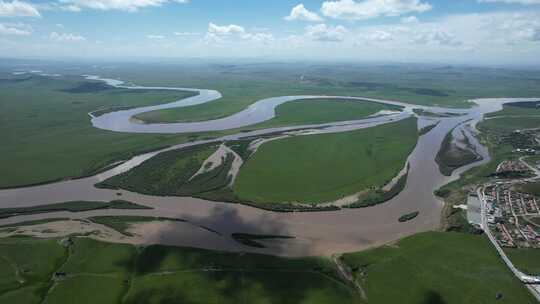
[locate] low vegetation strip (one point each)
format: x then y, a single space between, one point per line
426 129
322 168
409 216
74 206
455 271
252 239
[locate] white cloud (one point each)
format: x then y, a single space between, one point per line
66 37
123 5
259 37
366 9
436 36
380 36
15 29
17 9
322 32
528 2
410 19
218 34
299 12
155 37
225 29
70 8
186 34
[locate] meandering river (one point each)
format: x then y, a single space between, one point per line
316 233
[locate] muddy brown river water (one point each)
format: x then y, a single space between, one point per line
209 224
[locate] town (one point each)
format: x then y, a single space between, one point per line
512 216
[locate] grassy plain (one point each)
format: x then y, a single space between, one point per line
244 82
47 135
525 259
26 266
436 268
455 271
325 167
97 272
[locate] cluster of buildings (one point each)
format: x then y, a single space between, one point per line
512 166
513 216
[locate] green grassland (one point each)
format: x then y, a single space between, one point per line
320 168
517 109
26 266
47 135
243 83
509 124
432 267
436 268
96 272
525 259
531 188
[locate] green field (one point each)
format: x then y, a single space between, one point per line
46 131
320 168
525 259
509 124
432 267
517 109
26 266
242 83
97 272
531 188
305 111
436 268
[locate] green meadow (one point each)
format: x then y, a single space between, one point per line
432 267
46 131
325 167
436 268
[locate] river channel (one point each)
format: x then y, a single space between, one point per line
209 224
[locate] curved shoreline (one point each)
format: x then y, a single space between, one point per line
319 233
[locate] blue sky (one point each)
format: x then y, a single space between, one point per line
460 31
